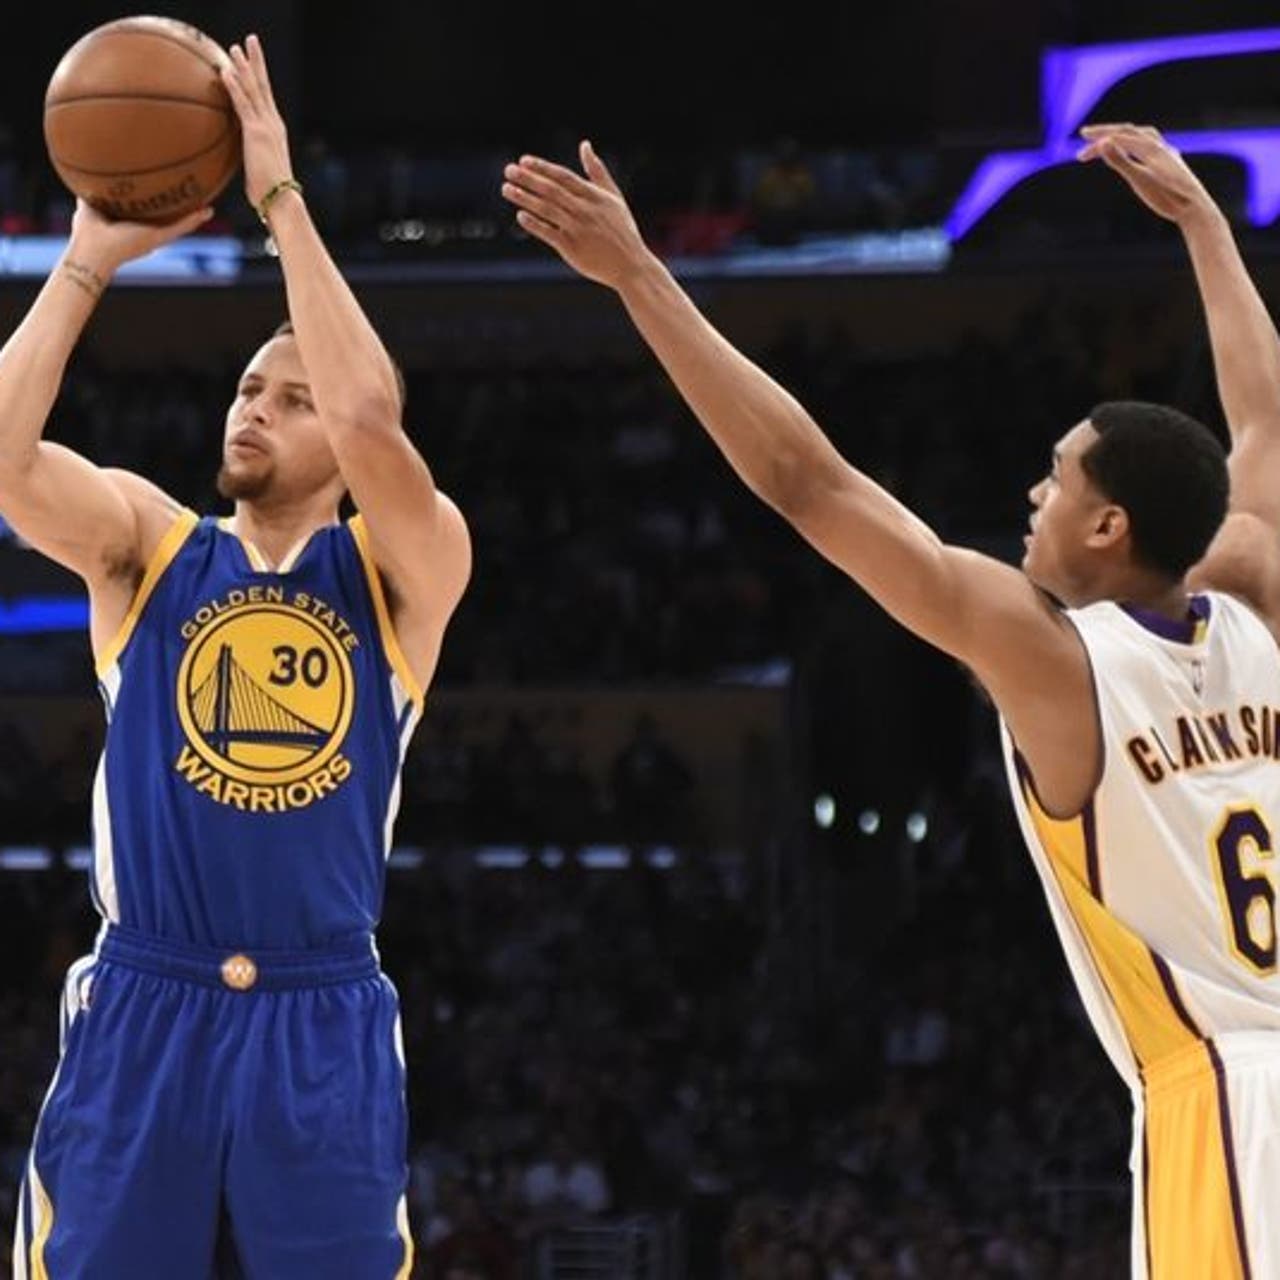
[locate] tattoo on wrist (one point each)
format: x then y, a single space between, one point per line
86 277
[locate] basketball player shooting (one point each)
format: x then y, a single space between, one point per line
1132 658
231 1082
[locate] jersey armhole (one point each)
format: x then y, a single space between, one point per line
177 534
386 630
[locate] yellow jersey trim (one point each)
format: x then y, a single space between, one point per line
402 1229
257 561
44 1225
177 533
390 643
1142 990
293 554
1185 1138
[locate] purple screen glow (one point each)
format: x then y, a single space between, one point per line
1073 81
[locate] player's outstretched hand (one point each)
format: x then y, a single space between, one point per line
262 129
108 243
1156 172
584 219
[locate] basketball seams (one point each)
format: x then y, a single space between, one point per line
212 64
141 173
113 30
138 121
54 103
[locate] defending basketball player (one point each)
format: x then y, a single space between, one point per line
1133 661
231 1081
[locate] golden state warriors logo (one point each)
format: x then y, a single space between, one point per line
265 695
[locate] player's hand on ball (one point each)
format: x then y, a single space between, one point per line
107 243
265 139
584 219
1158 174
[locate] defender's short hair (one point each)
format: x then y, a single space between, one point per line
1169 473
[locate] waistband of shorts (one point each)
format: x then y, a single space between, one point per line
1204 1059
240 968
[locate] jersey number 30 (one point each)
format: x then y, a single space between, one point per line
1243 857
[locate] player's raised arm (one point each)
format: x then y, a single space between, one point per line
765 433
418 536
983 612
1246 354
94 522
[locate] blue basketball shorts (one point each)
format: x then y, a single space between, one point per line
217 1115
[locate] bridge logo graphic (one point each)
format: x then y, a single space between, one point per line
265 694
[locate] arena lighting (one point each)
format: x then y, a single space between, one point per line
38 615
869 822
191 260
406 858
605 857
824 811
506 857
660 857
917 827
1073 82
25 858
872 252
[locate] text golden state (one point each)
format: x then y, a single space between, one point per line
265 695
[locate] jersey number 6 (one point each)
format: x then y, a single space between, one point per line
1243 855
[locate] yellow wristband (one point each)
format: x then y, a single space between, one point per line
285 184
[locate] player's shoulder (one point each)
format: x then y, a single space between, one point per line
155 512
1243 563
148 499
1242 620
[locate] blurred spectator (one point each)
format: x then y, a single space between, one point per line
473 1246
397 203
439 779
790 1053
918 1031
652 786
784 197
323 172
563 1184
515 776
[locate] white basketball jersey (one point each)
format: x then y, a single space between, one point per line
1164 888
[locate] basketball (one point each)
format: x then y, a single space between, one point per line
137 121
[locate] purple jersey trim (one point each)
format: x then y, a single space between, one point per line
1175 999
1146 1189
1186 630
1229 1151
1089 827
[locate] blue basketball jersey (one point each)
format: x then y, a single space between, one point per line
257 721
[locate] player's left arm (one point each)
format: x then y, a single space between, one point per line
1245 556
417 535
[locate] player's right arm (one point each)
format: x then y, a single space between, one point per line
1245 556
982 612
100 524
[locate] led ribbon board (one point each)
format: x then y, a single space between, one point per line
1073 81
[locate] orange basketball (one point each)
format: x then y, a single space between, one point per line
137 121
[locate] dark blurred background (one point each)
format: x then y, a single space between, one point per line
719 953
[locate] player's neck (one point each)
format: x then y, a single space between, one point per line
1159 597
276 530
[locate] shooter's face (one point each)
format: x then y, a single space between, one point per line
275 446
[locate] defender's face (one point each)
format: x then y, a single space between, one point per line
274 443
1066 506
